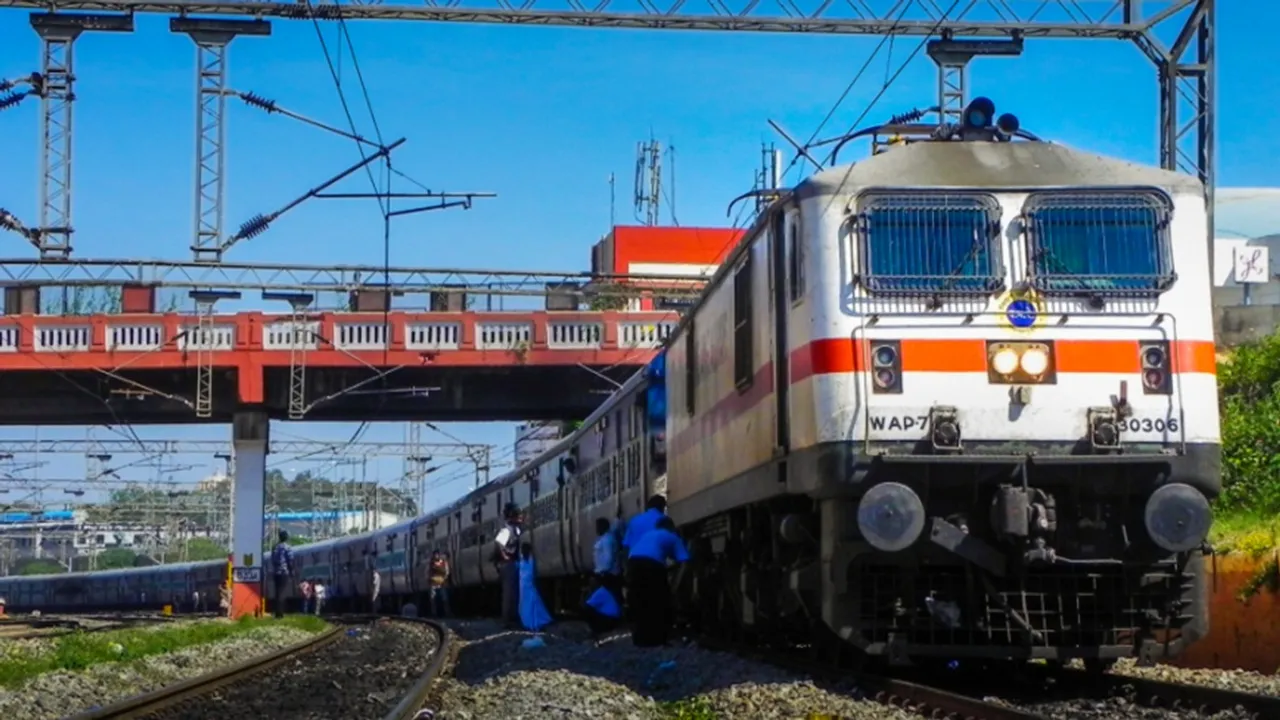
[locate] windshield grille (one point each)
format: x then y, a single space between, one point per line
930 243
1109 243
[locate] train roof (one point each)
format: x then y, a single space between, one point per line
994 165
117 572
627 388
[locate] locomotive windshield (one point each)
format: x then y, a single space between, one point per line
929 242
1099 242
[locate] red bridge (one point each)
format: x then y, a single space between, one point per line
172 368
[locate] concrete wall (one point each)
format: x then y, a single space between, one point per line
1242 634
1239 324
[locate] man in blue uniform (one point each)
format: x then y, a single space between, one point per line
608 566
281 570
655 510
649 593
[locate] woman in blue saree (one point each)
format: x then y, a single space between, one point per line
533 614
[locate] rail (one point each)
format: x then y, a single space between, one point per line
936 702
1161 693
29 628
140 706
912 696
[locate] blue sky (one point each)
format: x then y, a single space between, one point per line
541 116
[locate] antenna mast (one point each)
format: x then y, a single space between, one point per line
769 177
648 184
613 201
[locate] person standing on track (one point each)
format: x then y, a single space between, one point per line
649 593
506 547
282 570
306 589
438 597
375 583
319 590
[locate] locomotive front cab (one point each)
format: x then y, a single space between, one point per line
1033 404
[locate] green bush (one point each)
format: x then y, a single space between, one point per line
1249 397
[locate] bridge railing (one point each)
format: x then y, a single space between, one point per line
349 332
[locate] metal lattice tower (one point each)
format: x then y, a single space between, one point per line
302 331
1185 67
57 60
212 39
56 88
413 483
211 136
204 337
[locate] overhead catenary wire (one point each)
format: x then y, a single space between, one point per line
887 39
746 212
884 88
383 197
342 97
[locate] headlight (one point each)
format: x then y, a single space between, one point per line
1004 361
1035 361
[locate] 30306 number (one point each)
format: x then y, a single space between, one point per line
1148 425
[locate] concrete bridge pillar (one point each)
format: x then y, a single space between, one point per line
248 494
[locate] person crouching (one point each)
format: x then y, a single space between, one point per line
649 593
602 611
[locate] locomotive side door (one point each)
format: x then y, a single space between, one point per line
784 240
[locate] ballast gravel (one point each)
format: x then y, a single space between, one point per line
495 676
361 676
59 694
1122 706
1237 680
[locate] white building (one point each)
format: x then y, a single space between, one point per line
1246 248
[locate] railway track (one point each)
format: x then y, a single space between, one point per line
1161 694
911 695
45 627
178 699
1011 692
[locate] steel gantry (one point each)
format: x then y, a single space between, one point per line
1184 66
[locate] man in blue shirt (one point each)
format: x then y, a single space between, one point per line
655 510
649 593
281 570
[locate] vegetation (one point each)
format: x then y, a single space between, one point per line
1249 384
42 567
78 300
1248 511
80 650
613 297
304 493
688 709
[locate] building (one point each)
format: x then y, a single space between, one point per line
1246 247
328 523
672 251
533 439
218 482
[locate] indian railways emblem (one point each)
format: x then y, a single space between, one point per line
1021 310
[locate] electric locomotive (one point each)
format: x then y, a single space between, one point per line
933 406
956 400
